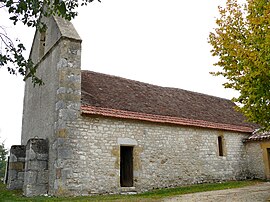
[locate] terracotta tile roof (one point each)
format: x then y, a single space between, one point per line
258 136
118 97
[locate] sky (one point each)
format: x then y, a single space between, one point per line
154 41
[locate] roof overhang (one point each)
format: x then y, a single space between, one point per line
258 136
115 113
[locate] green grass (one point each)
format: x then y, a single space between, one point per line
155 195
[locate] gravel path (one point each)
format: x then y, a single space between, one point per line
256 193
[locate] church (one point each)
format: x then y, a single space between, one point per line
86 133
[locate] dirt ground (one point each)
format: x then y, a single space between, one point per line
257 193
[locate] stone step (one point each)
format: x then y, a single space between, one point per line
128 190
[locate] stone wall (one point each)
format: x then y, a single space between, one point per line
164 155
36 168
47 108
255 160
39 101
15 178
258 159
55 66
67 109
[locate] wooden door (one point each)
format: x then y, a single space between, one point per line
126 166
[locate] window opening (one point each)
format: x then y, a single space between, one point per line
42 44
220 146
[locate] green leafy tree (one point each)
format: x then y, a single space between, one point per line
241 41
29 12
3 154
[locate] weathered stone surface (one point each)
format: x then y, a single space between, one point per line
42 177
35 190
17 151
36 168
30 177
42 157
39 146
37 165
163 155
15 186
30 155
21 176
19 166
64 153
13 175
16 167
127 141
258 159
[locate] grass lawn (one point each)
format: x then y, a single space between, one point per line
10 196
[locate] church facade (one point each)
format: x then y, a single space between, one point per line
89 133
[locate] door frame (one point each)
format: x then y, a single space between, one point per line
126 166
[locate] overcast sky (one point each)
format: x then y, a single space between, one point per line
154 41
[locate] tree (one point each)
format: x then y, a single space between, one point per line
29 12
3 154
241 42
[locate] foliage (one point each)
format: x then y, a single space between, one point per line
7 195
241 42
29 12
3 154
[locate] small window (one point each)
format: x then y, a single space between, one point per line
42 44
220 146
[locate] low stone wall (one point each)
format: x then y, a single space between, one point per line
36 168
15 178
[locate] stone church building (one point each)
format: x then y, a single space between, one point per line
87 133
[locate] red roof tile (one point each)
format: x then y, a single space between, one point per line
118 97
161 119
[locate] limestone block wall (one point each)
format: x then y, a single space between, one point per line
67 108
36 168
59 68
47 108
15 178
164 155
258 159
